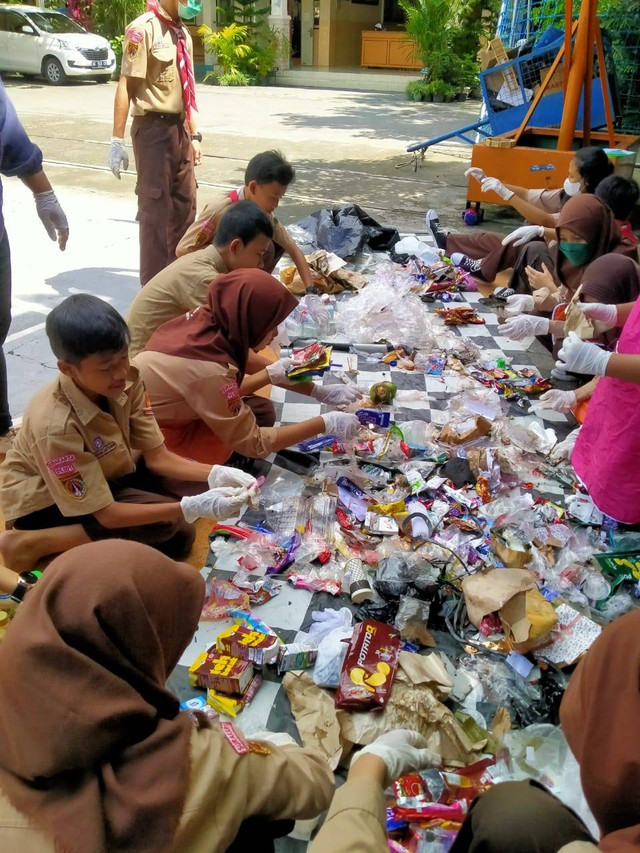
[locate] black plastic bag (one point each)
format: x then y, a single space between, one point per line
345 231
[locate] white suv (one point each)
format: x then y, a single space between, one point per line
41 41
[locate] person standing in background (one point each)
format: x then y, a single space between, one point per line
20 158
158 82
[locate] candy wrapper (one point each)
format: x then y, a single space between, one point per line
248 644
369 667
222 597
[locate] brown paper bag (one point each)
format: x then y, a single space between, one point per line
528 619
487 592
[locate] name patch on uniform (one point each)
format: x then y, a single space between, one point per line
134 40
236 742
231 393
66 470
102 447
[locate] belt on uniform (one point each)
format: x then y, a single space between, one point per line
177 117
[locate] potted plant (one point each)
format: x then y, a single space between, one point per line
415 90
441 91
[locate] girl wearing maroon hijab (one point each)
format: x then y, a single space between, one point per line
95 754
194 369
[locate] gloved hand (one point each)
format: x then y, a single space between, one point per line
493 184
564 450
52 217
606 316
523 234
336 395
518 304
557 401
578 356
278 370
118 156
476 172
402 752
219 503
524 326
223 475
341 424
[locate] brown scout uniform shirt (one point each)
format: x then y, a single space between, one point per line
68 449
548 200
177 289
203 230
183 390
150 55
225 788
356 821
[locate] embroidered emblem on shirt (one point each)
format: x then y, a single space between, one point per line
66 470
102 447
205 234
134 40
231 393
147 409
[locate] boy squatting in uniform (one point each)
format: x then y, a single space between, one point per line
266 180
71 476
242 239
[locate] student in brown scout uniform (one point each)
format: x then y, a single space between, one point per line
196 371
105 761
71 476
241 241
157 80
266 179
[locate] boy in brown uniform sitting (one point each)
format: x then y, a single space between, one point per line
71 476
241 241
266 179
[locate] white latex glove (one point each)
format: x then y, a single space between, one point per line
402 751
336 395
524 326
493 184
223 475
476 172
278 371
52 217
118 156
578 356
564 450
606 316
341 424
220 503
523 234
557 401
518 304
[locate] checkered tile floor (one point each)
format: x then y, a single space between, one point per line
291 610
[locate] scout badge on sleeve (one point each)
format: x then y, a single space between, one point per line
231 393
134 40
66 470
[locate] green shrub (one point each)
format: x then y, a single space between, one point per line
238 79
417 90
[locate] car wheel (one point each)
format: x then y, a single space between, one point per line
53 72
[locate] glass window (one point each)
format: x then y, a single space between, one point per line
54 22
12 22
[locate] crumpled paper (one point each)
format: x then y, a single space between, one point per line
315 714
527 617
428 670
327 272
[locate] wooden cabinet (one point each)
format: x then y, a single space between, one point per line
382 49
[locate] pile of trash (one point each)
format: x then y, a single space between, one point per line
467 569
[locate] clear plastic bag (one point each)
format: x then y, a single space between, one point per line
222 597
331 654
412 612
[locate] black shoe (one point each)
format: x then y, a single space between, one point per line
439 233
467 264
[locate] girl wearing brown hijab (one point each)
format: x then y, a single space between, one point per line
194 369
586 230
95 755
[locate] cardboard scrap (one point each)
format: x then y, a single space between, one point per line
426 669
469 429
527 619
327 272
487 592
314 711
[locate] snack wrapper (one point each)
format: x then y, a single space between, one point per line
369 667
249 644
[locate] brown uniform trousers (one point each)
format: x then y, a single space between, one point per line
166 187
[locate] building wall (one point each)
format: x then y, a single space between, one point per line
341 26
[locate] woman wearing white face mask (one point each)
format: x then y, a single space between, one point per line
484 253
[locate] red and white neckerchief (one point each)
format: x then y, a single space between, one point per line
185 64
